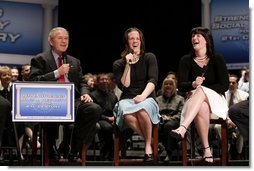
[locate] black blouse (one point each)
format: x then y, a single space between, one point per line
142 72
216 74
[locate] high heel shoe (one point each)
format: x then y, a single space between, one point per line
205 158
148 158
177 135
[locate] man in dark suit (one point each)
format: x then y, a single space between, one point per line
239 114
46 67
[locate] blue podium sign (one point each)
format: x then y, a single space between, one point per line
43 102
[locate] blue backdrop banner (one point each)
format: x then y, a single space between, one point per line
230 29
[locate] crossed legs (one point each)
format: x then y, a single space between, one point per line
198 110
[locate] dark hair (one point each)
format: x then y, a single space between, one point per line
126 44
235 76
206 33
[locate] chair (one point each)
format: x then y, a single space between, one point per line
44 147
223 160
10 143
84 148
122 147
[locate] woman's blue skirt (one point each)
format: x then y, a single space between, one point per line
127 106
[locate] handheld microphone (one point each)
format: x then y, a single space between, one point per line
131 51
204 69
64 56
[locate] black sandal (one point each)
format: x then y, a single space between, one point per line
207 162
207 157
177 135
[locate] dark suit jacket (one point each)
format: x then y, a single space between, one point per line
43 66
87 114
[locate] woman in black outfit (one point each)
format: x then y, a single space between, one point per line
203 74
137 75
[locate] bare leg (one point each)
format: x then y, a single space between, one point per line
146 128
202 121
194 105
132 121
29 133
21 139
141 124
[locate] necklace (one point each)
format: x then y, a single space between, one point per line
201 59
135 59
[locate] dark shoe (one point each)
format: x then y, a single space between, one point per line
168 157
148 158
205 158
53 154
206 162
64 150
161 148
177 135
239 156
61 155
75 157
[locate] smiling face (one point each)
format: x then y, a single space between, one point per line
198 42
134 41
168 87
5 76
59 40
14 74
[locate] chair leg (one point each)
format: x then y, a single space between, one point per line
45 153
155 143
193 144
17 142
83 154
184 150
224 144
116 148
34 143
